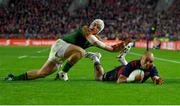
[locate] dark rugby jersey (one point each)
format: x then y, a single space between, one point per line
114 74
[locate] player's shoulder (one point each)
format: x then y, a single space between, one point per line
154 67
134 63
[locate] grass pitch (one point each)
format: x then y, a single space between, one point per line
81 87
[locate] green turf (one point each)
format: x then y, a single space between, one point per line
81 87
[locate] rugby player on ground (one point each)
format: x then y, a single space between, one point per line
128 72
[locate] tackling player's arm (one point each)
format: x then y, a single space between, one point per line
96 42
120 46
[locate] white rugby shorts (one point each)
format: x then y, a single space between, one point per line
57 51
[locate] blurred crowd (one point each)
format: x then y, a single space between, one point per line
50 19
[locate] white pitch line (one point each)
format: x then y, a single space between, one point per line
40 51
37 56
21 57
25 56
157 58
5 69
167 60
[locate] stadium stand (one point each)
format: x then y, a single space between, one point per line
51 19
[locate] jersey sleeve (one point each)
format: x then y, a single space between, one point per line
153 72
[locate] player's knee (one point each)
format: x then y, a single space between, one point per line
77 55
81 52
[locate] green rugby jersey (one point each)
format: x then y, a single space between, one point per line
78 38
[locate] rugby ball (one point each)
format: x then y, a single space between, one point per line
136 76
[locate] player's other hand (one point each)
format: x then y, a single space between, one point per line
158 81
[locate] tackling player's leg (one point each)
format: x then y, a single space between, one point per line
56 58
98 69
48 68
73 55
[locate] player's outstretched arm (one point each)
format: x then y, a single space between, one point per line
96 42
119 47
115 48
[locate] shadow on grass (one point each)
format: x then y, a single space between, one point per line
83 80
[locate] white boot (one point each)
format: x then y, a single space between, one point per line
62 75
93 56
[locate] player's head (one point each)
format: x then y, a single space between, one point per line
96 26
147 60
